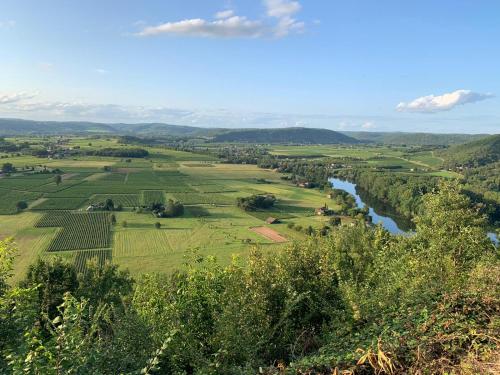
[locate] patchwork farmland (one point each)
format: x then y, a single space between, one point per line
65 218
60 220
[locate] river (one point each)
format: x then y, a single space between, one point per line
381 213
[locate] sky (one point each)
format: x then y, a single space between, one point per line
386 65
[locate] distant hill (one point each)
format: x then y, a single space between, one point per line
416 139
165 129
22 127
285 135
16 127
473 154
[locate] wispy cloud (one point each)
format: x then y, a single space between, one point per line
440 103
16 97
224 14
226 28
226 24
101 71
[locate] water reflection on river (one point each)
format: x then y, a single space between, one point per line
382 213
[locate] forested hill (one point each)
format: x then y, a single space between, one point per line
474 154
285 135
417 139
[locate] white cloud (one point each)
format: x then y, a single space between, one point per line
101 71
281 8
224 14
439 103
229 28
229 25
15 98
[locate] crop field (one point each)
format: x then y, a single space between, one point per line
126 200
141 242
9 199
56 223
152 196
196 198
60 204
89 230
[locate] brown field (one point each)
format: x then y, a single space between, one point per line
269 234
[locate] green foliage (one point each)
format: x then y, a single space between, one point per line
402 192
8 168
7 254
174 208
357 300
255 202
21 205
474 154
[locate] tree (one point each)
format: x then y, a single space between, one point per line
157 225
7 252
21 205
109 205
53 279
255 202
174 208
124 223
113 219
8 168
334 221
58 179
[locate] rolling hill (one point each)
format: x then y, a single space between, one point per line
24 127
12 127
416 139
473 154
285 135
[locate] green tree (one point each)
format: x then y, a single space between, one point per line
58 179
109 205
52 278
174 208
8 168
21 205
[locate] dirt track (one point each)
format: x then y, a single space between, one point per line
269 234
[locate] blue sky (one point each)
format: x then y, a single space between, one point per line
344 65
